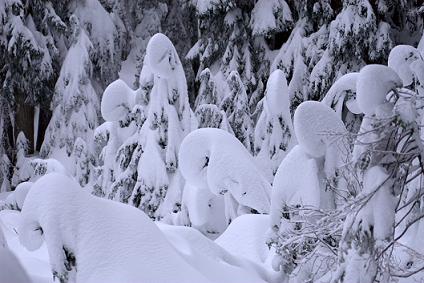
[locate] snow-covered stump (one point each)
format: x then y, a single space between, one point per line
90 239
212 160
305 189
274 134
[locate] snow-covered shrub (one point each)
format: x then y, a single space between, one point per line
400 59
90 239
274 134
212 160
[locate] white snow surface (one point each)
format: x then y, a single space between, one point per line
400 59
162 56
17 197
11 270
296 182
321 132
214 261
215 159
112 242
117 101
373 84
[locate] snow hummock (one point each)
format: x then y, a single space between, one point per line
215 159
111 241
117 101
214 261
400 59
373 85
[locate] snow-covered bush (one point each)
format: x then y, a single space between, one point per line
274 134
96 240
212 160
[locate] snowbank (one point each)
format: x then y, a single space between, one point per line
97 240
11 270
216 263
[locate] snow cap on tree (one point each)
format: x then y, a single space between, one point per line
343 91
373 85
117 101
163 58
317 127
216 158
400 59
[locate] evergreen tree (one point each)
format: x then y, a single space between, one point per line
152 181
75 104
236 106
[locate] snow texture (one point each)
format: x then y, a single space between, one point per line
11 270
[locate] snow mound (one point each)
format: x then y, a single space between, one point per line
11 270
216 263
90 239
246 237
215 159
400 59
162 56
373 84
343 91
318 129
117 101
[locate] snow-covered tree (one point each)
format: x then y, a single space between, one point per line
215 163
236 106
297 200
274 134
150 178
75 104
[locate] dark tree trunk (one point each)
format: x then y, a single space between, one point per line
25 120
